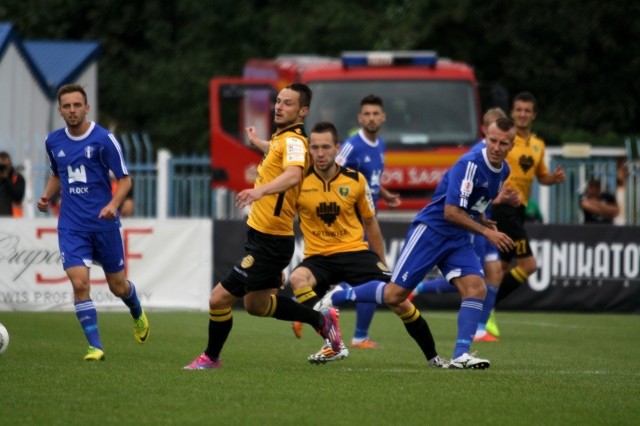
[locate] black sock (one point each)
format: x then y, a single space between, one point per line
285 309
220 323
418 328
510 282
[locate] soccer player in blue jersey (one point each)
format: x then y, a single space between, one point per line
440 236
486 252
364 151
80 157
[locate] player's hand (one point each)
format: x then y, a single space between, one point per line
43 204
558 175
500 240
108 212
508 195
393 199
246 197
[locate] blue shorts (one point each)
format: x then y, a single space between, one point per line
82 248
423 249
486 251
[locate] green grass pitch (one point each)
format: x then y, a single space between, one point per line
548 369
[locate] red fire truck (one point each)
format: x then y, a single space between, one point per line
432 107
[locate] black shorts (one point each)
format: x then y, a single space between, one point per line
357 267
510 220
261 267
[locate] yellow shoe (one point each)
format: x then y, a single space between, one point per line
94 354
141 328
492 325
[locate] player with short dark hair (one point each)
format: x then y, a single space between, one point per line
80 157
270 240
526 161
336 211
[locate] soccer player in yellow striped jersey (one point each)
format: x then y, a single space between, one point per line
329 205
273 213
270 242
335 208
526 161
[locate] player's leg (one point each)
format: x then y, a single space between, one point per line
493 277
76 249
221 302
86 311
364 317
463 268
109 251
514 278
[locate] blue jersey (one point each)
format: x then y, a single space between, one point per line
82 163
470 184
479 146
365 156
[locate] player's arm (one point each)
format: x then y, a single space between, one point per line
508 195
122 189
290 177
374 237
391 198
52 188
557 176
255 140
459 217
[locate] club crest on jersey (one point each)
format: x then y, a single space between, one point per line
247 261
77 175
343 191
88 151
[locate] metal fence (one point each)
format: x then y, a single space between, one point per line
620 177
180 186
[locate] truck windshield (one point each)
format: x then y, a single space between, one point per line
419 113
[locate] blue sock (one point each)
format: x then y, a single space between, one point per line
364 316
371 292
468 316
88 317
133 303
438 285
487 307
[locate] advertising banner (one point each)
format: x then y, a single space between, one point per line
580 267
168 260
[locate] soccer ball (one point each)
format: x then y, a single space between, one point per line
4 339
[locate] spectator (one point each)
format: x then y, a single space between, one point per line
598 206
11 188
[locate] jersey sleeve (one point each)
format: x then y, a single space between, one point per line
113 156
344 155
52 160
542 169
365 199
461 183
295 152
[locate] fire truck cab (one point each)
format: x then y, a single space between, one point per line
432 107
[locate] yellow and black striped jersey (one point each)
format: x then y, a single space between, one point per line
274 213
331 212
526 161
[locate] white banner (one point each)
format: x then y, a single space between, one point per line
170 262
